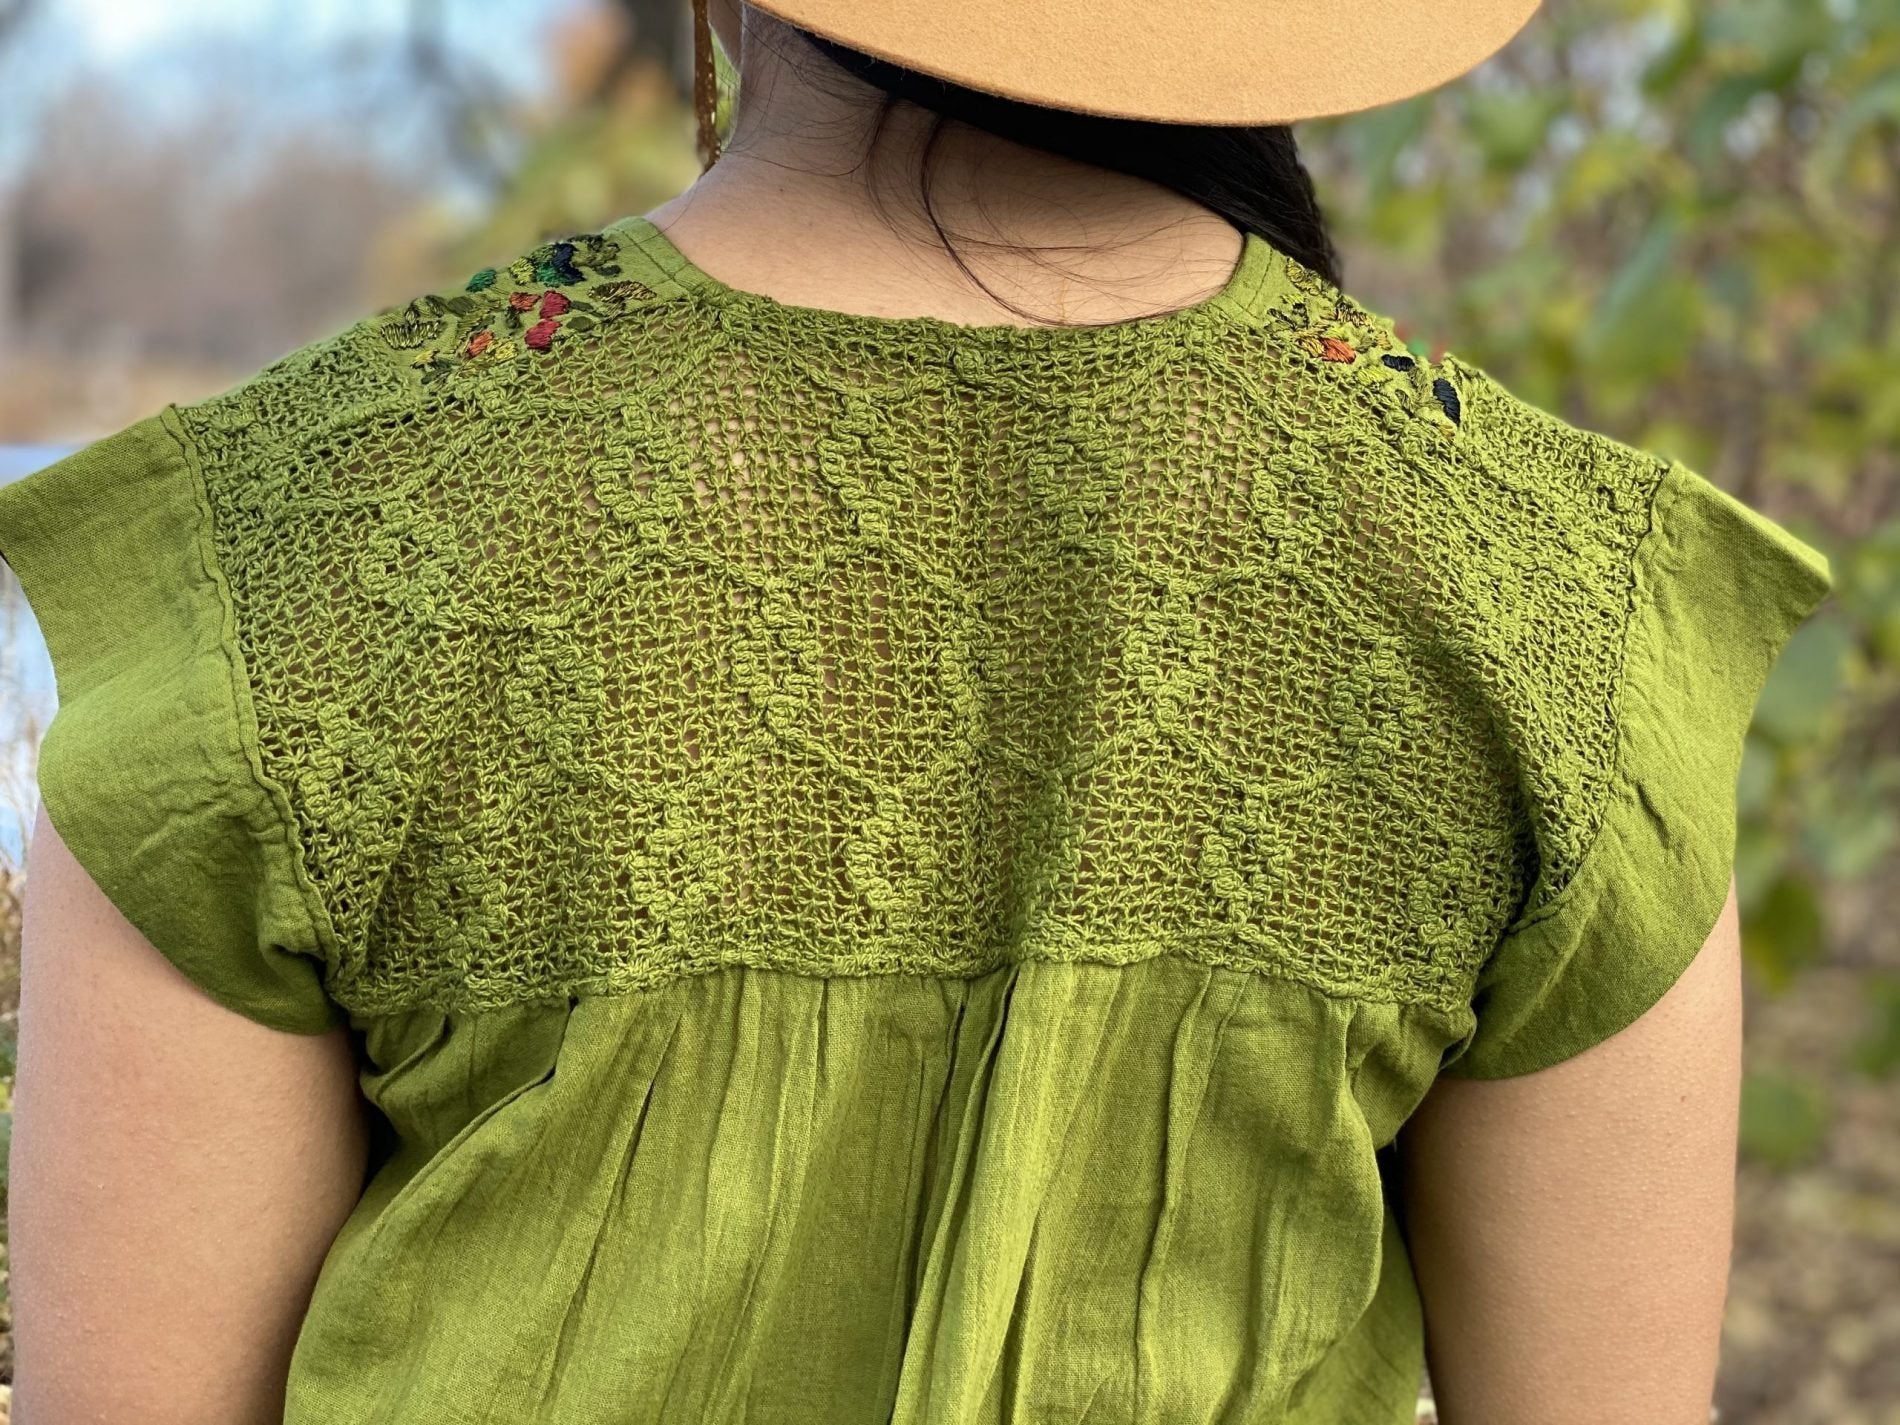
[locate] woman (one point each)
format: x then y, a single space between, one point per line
720 822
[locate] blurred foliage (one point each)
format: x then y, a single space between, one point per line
1680 225
1877 1051
1784 1116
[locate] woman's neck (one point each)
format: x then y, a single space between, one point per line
789 211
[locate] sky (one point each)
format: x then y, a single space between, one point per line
114 29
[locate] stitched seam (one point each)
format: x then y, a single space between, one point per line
1642 559
321 933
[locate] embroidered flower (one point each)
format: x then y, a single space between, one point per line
554 264
412 326
1447 396
614 296
493 322
1333 349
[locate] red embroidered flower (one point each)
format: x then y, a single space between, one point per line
1333 349
554 303
521 301
480 342
540 336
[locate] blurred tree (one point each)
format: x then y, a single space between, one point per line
655 32
615 137
251 253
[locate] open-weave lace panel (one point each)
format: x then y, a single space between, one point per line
718 631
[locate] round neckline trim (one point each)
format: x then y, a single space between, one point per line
1259 279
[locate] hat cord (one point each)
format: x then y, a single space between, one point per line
705 87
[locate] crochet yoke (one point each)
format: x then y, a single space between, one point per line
704 637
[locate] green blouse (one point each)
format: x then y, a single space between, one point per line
885 870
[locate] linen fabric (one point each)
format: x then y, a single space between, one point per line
884 870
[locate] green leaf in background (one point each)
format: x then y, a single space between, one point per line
1804 682
1645 319
1760 853
1379 136
1771 32
1510 124
1877 1052
1850 836
1724 104
1784 930
1871 572
1755 787
1826 161
1409 221
1677 62
1784 1117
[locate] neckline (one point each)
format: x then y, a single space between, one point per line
1258 280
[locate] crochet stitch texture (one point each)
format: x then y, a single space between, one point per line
708 630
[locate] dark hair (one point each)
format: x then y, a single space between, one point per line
1252 176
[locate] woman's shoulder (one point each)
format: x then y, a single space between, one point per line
541 304
1444 412
510 323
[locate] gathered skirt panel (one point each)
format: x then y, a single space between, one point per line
1053 1192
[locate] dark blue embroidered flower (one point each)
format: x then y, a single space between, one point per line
1447 396
554 265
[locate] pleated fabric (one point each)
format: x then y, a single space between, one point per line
1051 1192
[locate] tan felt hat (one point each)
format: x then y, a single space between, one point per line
1233 62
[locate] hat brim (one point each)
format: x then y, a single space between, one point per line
1227 62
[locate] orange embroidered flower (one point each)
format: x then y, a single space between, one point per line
522 301
480 342
1333 349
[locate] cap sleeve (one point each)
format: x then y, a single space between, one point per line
148 768
1719 589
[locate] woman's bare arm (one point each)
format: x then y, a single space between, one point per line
1571 1229
178 1173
